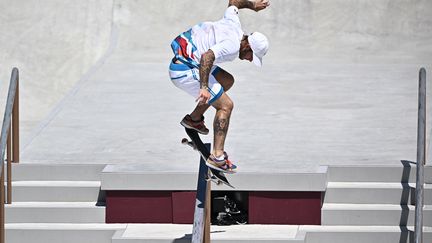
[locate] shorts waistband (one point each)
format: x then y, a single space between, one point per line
179 66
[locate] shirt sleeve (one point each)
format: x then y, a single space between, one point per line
231 13
225 48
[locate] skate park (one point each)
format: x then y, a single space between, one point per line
333 110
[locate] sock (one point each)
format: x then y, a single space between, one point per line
221 158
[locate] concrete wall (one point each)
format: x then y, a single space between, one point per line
343 30
53 43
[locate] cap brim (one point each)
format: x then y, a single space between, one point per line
257 60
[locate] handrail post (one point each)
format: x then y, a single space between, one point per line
5 131
421 152
9 168
13 141
15 124
2 207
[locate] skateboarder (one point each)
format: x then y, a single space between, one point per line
193 69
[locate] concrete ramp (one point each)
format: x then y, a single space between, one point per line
339 85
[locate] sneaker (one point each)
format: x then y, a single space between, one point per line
223 165
217 164
195 125
231 166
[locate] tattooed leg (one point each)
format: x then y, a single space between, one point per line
224 107
199 111
226 80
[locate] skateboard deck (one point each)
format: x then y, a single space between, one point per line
215 175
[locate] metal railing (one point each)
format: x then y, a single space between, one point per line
421 155
9 143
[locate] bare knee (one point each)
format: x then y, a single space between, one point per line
224 103
228 105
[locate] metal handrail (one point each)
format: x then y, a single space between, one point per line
421 155
11 115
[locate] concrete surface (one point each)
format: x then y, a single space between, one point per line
140 177
246 233
55 191
339 84
67 233
379 193
377 173
54 212
359 234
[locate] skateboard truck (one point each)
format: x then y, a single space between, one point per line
213 178
185 141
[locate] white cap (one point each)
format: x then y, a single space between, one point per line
259 45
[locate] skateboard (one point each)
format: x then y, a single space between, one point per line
214 175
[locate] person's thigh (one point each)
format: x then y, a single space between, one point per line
187 79
223 77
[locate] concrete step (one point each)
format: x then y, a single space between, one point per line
54 212
372 214
362 234
374 193
164 233
377 173
64 233
168 233
55 191
53 172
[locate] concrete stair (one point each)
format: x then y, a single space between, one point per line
58 232
56 172
158 233
57 203
169 233
404 173
371 204
376 192
362 234
54 212
55 191
361 204
373 214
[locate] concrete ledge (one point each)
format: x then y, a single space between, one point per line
56 172
140 177
54 212
55 191
372 214
65 233
167 233
361 234
405 173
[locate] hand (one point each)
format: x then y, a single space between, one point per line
261 4
204 96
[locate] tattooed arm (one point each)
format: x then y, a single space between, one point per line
206 64
255 5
